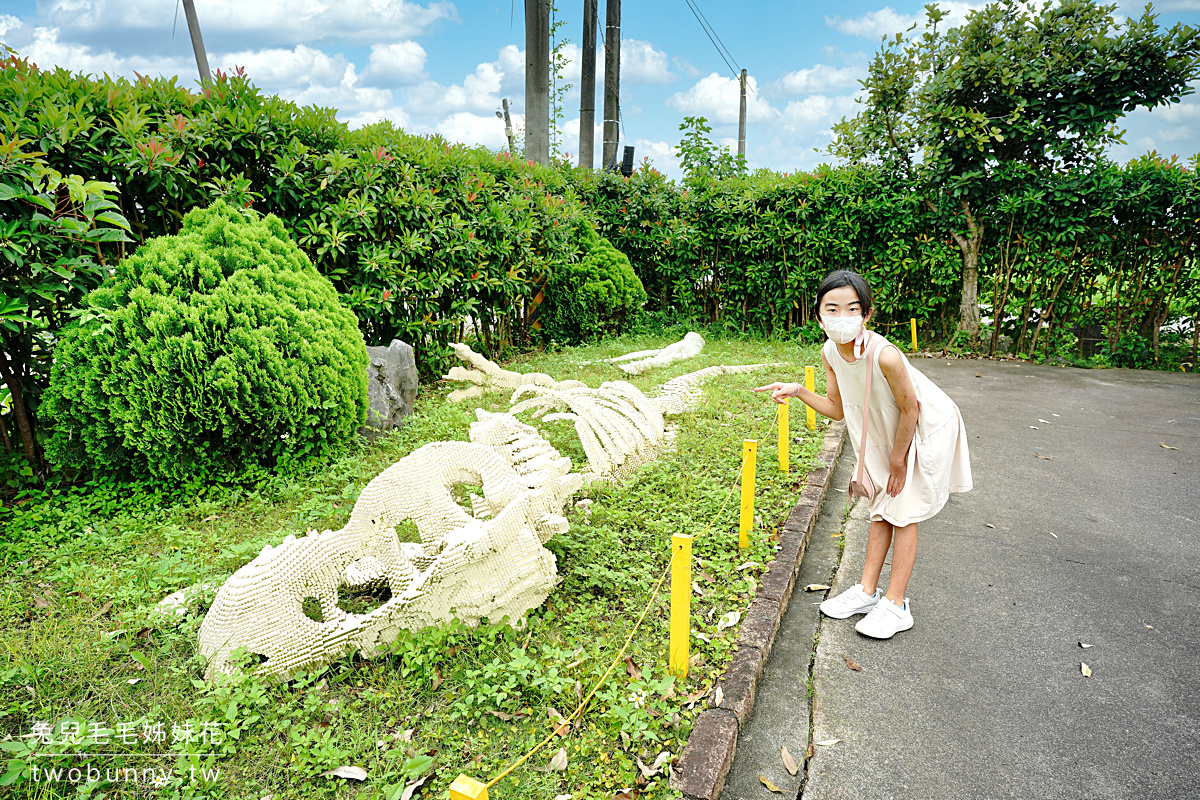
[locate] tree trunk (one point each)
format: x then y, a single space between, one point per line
1048 315
7 442
1025 316
1195 339
968 310
24 423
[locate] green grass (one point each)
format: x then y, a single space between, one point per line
82 567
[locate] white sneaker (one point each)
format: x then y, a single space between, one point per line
885 620
850 602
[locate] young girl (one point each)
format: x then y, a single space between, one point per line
916 447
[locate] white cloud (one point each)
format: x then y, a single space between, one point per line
821 78
816 113
396 64
887 21
277 68
43 47
8 23
661 154
480 91
474 129
264 22
641 64
398 117
718 99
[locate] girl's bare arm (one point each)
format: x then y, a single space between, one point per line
891 364
830 406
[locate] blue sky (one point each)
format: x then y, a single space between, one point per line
444 67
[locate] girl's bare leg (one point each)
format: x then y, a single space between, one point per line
904 555
878 541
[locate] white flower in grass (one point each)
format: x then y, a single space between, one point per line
638 698
159 781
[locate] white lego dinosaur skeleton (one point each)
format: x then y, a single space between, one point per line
487 565
643 360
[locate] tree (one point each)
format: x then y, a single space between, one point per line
1016 84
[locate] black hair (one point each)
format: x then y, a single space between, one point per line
845 277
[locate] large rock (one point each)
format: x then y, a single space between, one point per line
391 387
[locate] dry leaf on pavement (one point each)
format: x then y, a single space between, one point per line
1047 458
345 771
828 742
1084 646
789 763
815 587
767 783
1164 444
1085 669
718 697
852 664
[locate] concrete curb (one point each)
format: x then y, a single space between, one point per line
700 773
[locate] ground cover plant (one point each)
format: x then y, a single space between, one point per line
82 566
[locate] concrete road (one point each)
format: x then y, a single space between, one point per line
1082 528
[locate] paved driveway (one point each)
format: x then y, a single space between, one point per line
1097 542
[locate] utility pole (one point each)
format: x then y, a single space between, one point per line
537 81
612 82
587 86
189 11
742 119
508 130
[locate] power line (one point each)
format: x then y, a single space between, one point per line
696 5
711 34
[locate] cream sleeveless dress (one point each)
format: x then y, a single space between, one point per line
938 461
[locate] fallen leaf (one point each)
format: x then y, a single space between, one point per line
562 797
748 565
104 609
1164 444
696 589
1055 535
42 602
815 587
729 620
501 715
627 794
990 525
704 637
652 770
561 726
437 678
852 664
812 750
412 788
694 696
209 518
1084 646
1047 458
1046 421
1150 627
1085 669
354 773
133 681
1035 427
789 763
978 374
557 764
704 576
718 697
767 783
635 672
828 742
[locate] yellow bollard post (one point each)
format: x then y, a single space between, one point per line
913 323
681 604
749 467
783 437
465 788
810 383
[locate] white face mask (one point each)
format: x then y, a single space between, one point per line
842 330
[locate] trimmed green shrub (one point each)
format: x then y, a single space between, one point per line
597 296
217 351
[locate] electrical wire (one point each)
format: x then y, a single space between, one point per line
711 34
695 4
